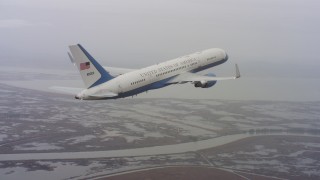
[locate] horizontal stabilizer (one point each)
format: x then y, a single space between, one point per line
104 95
115 71
66 90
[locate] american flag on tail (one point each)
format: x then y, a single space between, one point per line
85 65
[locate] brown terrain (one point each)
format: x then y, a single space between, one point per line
184 173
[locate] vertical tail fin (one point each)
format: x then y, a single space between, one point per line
91 71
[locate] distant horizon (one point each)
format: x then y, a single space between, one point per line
252 88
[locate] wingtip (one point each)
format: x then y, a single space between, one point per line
237 72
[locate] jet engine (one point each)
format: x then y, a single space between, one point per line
205 84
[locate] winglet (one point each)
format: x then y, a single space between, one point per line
237 72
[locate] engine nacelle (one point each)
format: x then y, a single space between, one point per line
205 84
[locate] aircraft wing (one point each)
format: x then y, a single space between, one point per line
115 71
66 90
192 77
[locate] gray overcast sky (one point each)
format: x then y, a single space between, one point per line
268 38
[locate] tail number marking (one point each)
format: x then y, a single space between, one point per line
90 73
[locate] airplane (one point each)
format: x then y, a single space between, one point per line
112 83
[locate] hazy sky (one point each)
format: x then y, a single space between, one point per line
267 38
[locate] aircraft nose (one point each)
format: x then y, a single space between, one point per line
226 57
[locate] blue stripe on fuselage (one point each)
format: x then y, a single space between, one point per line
105 76
162 83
